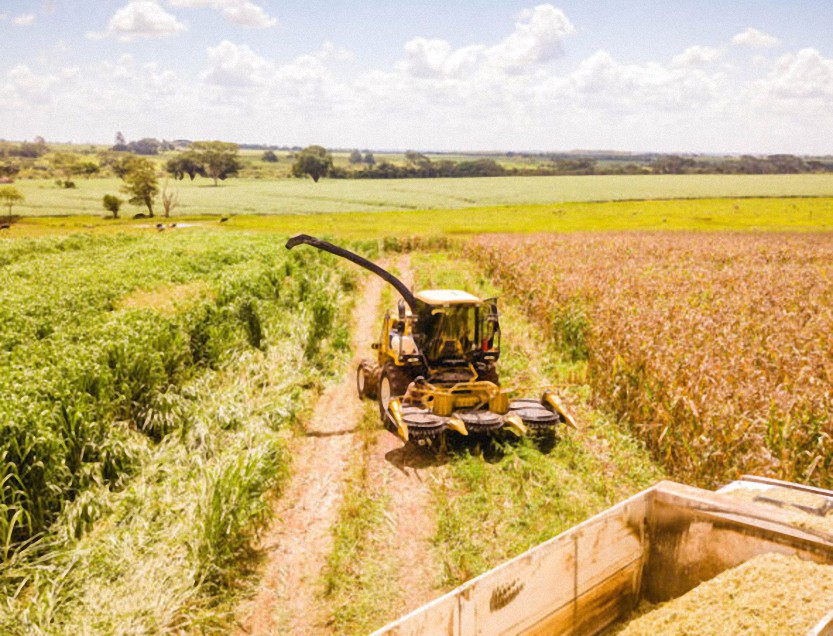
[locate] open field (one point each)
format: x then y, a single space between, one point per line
302 196
715 348
773 214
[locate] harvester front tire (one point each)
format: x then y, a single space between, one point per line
361 382
393 383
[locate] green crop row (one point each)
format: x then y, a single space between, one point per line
99 335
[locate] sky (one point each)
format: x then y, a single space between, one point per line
687 76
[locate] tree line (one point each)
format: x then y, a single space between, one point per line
418 166
220 160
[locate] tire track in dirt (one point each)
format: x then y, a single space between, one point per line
404 473
289 595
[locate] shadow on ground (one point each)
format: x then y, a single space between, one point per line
414 456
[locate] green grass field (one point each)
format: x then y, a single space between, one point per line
302 196
769 214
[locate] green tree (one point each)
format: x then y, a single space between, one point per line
67 165
122 165
355 157
218 158
141 183
112 204
88 168
9 196
314 161
186 163
369 159
9 169
146 146
269 156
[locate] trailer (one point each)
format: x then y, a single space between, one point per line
656 546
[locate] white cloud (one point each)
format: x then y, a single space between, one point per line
28 86
804 76
601 82
756 39
437 58
25 19
537 38
236 65
697 56
310 83
243 12
141 19
330 51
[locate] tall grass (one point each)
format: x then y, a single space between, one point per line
141 445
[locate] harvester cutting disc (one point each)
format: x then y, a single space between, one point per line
534 414
480 421
422 422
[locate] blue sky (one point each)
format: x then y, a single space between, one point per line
671 76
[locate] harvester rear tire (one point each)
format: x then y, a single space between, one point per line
367 379
393 383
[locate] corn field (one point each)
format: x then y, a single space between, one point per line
716 349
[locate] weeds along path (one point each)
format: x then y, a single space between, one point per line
289 596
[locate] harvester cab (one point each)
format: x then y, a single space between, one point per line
435 365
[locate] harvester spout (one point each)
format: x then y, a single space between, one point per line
358 260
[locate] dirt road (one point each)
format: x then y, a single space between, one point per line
288 599
289 594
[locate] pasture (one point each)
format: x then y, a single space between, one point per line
771 214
